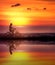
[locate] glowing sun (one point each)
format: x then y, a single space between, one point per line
20 21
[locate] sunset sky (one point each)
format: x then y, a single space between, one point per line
28 13
20 15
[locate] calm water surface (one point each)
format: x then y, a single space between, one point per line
27 53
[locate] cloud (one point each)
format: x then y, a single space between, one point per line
28 8
15 5
47 0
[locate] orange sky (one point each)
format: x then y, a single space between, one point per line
21 16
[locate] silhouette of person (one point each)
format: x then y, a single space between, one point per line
11 29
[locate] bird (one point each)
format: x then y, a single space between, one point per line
28 8
18 4
44 8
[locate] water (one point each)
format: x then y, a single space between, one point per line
30 29
25 52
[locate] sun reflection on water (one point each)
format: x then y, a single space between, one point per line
19 56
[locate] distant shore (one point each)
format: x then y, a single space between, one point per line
31 36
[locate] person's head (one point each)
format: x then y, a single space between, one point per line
11 24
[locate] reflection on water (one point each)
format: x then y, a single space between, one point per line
11 48
27 53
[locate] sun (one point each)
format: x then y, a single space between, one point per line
20 21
